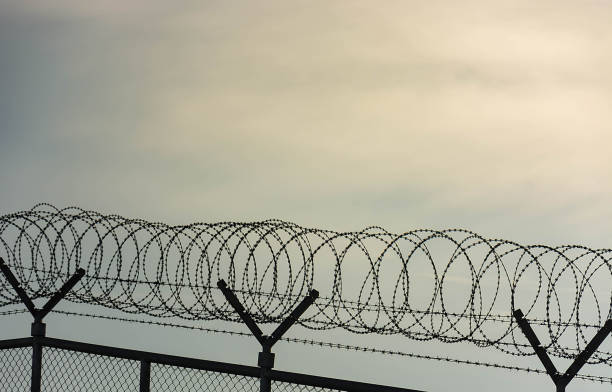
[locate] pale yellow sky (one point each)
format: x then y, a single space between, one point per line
400 114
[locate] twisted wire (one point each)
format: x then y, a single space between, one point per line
446 285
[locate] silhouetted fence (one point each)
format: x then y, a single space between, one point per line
73 366
40 363
425 285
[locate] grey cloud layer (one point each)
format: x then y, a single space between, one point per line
294 109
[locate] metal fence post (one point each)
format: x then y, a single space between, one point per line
145 376
265 360
38 329
36 366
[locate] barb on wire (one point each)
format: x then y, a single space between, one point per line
445 285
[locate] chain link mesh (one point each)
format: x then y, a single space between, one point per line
16 370
71 371
67 371
170 378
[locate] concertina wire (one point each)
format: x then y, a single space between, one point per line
444 285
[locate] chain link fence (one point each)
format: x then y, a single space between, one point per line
70 371
68 366
16 369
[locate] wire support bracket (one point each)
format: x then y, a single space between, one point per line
38 327
561 380
265 359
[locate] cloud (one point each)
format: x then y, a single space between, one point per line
257 109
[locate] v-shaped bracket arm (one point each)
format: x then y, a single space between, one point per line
39 314
266 341
561 380
265 360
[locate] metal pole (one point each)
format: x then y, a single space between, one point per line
36 365
145 376
38 328
265 360
38 331
265 363
265 384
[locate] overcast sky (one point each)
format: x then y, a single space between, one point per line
492 116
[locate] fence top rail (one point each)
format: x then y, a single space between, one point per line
200 364
16 343
161 359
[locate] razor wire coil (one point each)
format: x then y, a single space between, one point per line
445 285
